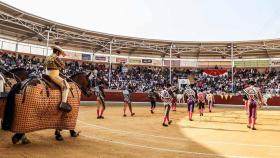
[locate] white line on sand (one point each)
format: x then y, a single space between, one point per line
176 138
162 149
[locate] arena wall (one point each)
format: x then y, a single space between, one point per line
142 97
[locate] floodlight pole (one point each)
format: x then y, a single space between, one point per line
16 49
170 67
48 38
232 65
269 64
110 67
2 44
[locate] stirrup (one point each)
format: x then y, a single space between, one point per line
65 107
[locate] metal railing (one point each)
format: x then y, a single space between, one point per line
24 48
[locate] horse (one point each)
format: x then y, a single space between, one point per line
181 98
265 99
19 74
11 78
45 87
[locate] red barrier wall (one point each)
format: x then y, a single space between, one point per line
142 97
118 96
238 100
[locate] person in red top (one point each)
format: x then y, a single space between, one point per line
166 96
100 100
255 99
191 101
246 106
174 102
201 102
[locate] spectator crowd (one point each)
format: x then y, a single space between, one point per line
143 78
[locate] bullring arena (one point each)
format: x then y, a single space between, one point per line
27 39
222 133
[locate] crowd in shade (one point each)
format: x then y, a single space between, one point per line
143 78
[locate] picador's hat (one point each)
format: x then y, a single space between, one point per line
58 48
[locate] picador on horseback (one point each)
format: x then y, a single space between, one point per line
53 65
54 108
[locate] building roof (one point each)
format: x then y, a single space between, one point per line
21 26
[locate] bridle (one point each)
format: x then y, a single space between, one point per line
14 75
85 91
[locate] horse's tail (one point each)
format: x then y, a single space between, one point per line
9 107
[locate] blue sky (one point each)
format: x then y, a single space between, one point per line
185 20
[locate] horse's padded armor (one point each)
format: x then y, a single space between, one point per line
37 108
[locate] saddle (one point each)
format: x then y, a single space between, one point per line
49 82
36 106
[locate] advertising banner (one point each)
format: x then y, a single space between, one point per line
134 61
121 60
185 63
100 58
157 62
72 55
174 63
86 57
146 60
252 63
275 63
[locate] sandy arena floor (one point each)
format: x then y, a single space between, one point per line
222 133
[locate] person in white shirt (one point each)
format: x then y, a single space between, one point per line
166 96
210 100
2 83
127 100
